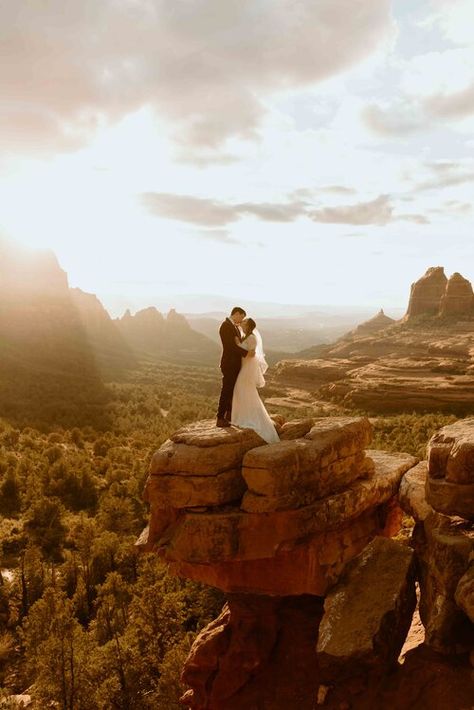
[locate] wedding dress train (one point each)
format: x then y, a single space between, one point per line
248 410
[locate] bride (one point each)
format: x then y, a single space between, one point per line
248 410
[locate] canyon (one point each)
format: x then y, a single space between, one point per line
421 363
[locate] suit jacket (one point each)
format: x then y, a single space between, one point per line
232 354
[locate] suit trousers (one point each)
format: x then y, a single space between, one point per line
229 377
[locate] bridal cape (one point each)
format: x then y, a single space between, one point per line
248 410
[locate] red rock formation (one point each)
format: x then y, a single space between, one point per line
360 630
307 517
458 298
308 506
427 292
242 659
444 543
450 483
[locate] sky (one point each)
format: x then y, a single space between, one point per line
300 151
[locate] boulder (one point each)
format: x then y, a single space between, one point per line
450 498
412 495
427 292
451 452
202 449
368 612
291 474
186 491
299 551
296 429
444 546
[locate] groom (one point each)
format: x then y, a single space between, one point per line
231 361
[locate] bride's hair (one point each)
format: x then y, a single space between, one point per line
251 325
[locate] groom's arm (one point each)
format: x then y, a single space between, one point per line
227 337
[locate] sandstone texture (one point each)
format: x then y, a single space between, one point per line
458 297
260 652
450 483
444 546
464 594
427 292
319 598
412 495
289 475
286 521
360 629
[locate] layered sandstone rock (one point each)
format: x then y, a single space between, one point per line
243 658
361 630
450 483
412 494
308 506
444 545
458 298
464 594
427 292
290 475
280 526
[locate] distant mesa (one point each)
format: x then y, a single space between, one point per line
458 298
423 362
374 324
436 295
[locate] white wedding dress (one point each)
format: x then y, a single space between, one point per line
248 410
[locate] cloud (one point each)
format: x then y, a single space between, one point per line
185 208
285 212
211 213
448 180
218 235
457 104
338 189
416 218
393 121
206 67
378 211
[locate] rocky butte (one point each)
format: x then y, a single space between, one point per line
422 363
320 597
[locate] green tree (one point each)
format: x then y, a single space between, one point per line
45 527
10 498
58 652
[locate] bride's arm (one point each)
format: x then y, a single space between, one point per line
249 344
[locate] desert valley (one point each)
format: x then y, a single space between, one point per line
117 557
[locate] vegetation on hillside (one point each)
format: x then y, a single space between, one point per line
85 621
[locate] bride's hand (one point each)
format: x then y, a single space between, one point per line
252 353
237 340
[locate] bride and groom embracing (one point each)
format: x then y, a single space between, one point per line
243 366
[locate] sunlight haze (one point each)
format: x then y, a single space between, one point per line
159 158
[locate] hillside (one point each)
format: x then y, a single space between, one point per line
47 365
59 345
151 335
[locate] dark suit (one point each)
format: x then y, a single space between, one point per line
231 362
